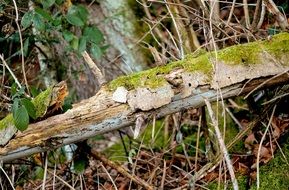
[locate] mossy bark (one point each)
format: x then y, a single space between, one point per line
198 77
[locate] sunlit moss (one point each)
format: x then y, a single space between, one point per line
249 53
8 120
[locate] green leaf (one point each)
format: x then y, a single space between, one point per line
57 20
59 2
18 93
93 34
83 13
15 105
27 19
14 89
34 91
96 51
67 104
38 22
74 43
47 3
44 14
21 118
29 107
82 44
77 15
68 36
25 47
74 20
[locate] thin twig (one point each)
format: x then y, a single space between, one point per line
95 70
256 15
7 176
263 83
262 16
197 147
234 119
246 13
10 71
21 45
60 179
121 170
45 172
260 146
164 175
231 12
281 19
181 50
105 170
222 145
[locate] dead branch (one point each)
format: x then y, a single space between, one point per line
100 113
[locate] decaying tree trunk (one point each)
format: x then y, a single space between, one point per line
158 92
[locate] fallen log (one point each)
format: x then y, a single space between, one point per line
158 92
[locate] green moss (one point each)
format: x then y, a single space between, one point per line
41 102
197 64
200 62
242 180
152 78
250 53
8 120
274 175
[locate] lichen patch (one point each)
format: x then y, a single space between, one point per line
146 99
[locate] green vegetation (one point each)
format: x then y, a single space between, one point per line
117 152
250 53
40 103
200 62
273 175
152 78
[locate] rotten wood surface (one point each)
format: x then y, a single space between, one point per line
88 118
100 113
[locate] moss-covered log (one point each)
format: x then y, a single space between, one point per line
158 92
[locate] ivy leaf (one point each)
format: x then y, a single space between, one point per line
83 13
96 51
29 107
14 89
74 43
27 19
82 44
68 36
25 47
47 3
21 118
59 2
44 14
38 22
15 105
93 34
77 15
34 91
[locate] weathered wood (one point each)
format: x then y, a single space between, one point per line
100 114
